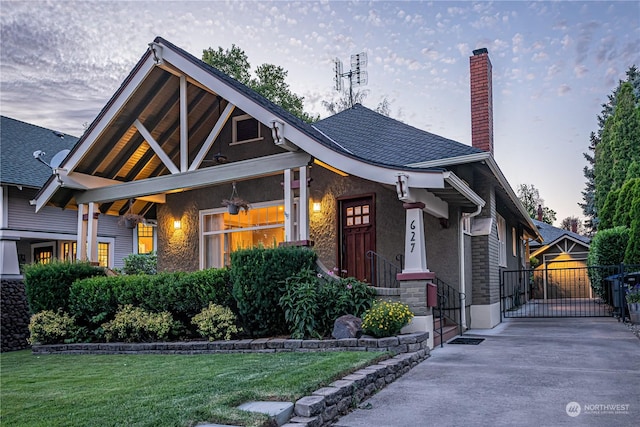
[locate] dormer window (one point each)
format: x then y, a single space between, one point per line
245 129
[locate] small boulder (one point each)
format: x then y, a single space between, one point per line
347 326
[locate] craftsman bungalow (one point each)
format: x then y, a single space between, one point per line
179 137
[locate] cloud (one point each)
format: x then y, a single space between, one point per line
585 38
563 89
517 42
580 70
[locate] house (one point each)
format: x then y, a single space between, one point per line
27 237
562 270
368 192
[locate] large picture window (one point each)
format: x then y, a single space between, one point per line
222 233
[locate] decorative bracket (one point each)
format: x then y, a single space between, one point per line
277 133
156 50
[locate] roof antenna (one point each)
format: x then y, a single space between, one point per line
357 75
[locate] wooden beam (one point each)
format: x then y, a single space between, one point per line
246 169
156 147
224 117
184 126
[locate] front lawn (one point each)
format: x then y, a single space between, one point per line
158 390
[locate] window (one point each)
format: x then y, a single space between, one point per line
69 251
222 233
502 242
146 237
103 254
245 129
514 241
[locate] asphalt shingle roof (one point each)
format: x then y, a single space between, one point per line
381 139
550 234
18 141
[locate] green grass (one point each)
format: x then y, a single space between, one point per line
158 390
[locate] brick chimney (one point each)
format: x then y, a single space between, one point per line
574 225
481 101
540 212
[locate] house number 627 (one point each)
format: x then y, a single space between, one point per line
412 226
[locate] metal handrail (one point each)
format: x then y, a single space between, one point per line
450 305
383 272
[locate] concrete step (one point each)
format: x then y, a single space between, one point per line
281 412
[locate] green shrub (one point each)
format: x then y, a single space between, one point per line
48 327
216 322
257 275
312 302
141 263
47 285
607 249
632 252
386 318
184 295
300 304
135 324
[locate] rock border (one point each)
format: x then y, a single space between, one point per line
406 343
325 405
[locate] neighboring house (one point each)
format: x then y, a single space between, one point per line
562 269
27 237
179 137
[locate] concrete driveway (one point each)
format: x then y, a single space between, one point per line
527 372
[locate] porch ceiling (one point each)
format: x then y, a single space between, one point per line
120 152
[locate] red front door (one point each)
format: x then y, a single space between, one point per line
358 236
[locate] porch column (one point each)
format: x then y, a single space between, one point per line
303 205
92 233
288 206
81 239
415 276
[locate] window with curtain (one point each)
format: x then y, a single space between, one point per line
222 233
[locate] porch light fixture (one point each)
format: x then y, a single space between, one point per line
177 224
317 206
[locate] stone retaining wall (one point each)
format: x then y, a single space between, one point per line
326 404
15 315
405 343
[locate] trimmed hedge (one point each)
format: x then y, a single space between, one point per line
607 249
48 285
257 275
93 301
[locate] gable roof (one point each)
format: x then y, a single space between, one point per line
552 235
381 139
18 142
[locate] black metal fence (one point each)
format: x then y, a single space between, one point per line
566 292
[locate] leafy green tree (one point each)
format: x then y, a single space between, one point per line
530 198
269 80
567 224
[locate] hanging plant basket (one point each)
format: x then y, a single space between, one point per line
235 203
131 220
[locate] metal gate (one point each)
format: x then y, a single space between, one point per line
565 292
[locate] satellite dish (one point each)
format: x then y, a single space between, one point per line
56 160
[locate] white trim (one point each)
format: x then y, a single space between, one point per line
469 158
184 126
485 316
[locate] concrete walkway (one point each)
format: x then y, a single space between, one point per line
527 372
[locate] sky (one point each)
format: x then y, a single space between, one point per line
554 63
